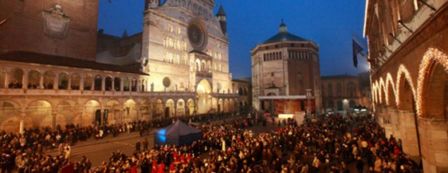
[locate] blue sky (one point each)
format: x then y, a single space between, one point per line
329 23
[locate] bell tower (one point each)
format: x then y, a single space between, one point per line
221 15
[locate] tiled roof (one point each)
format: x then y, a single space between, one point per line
45 59
284 36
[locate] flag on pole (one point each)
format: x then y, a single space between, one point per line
357 49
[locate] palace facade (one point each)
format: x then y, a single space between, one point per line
345 92
408 55
286 74
178 66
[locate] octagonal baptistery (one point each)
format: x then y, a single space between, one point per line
286 74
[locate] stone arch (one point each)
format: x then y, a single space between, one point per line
408 116
126 84
130 111
145 107
88 82
117 84
89 113
190 107
198 65
203 65
114 112
133 84
390 91
432 85
65 115
75 81
9 116
232 105
108 83
169 108
39 114
203 89
15 78
405 89
180 107
159 108
226 106
98 83
49 78
63 81
220 105
33 79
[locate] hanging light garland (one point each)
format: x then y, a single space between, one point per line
403 72
431 56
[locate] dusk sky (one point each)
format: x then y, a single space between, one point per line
329 23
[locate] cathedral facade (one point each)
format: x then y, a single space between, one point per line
185 48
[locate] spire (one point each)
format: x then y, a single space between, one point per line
221 11
221 15
283 28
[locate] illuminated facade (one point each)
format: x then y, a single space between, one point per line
185 48
286 74
344 92
178 66
408 48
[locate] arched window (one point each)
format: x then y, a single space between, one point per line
75 81
88 82
108 83
49 80
63 81
33 79
117 84
98 83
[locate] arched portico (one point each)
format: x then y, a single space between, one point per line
203 90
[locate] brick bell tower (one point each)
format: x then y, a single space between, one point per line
55 27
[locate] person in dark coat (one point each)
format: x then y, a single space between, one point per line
137 146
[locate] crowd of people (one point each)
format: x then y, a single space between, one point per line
331 144
325 144
26 151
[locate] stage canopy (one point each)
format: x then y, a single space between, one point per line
178 134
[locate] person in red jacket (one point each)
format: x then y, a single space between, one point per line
154 166
161 168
